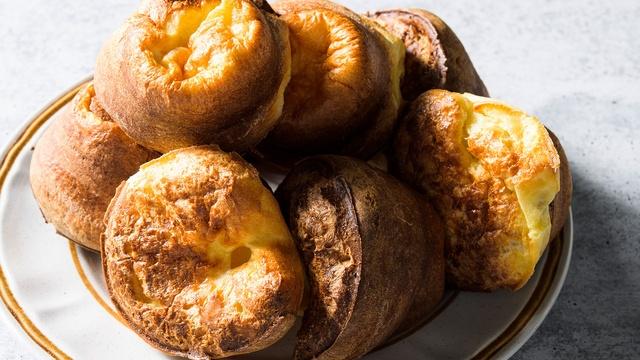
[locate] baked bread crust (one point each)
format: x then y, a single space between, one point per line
559 208
344 93
77 165
436 59
373 250
197 257
491 171
177 73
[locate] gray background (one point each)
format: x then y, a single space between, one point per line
573 63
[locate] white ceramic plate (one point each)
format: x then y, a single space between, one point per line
54 291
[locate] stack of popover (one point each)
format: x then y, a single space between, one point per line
203 261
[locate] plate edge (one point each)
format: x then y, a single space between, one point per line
9 155
506 348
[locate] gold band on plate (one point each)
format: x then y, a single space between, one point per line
7 162
536 299
73 248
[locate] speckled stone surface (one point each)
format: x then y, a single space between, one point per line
573 63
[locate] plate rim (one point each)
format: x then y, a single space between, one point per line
503 346
504 349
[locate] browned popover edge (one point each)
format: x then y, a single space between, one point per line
559 207
446 65
344 180
76 165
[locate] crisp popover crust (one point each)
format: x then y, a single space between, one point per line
344 92
559 208
77 165
491 171
435 59
373 249
182 73
202 260
197 257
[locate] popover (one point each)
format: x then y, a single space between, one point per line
182 73
77 165
344 93
373 249
198 258
435 58
492 172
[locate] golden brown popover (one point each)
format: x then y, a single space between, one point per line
198 258
182 73
492 172
77 165
435 59
344 92
373 249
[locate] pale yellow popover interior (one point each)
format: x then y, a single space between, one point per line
506 143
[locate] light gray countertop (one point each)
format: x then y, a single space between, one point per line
574 63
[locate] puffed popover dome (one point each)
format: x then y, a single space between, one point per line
344 93
198 258
182 73
77 165
495 175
